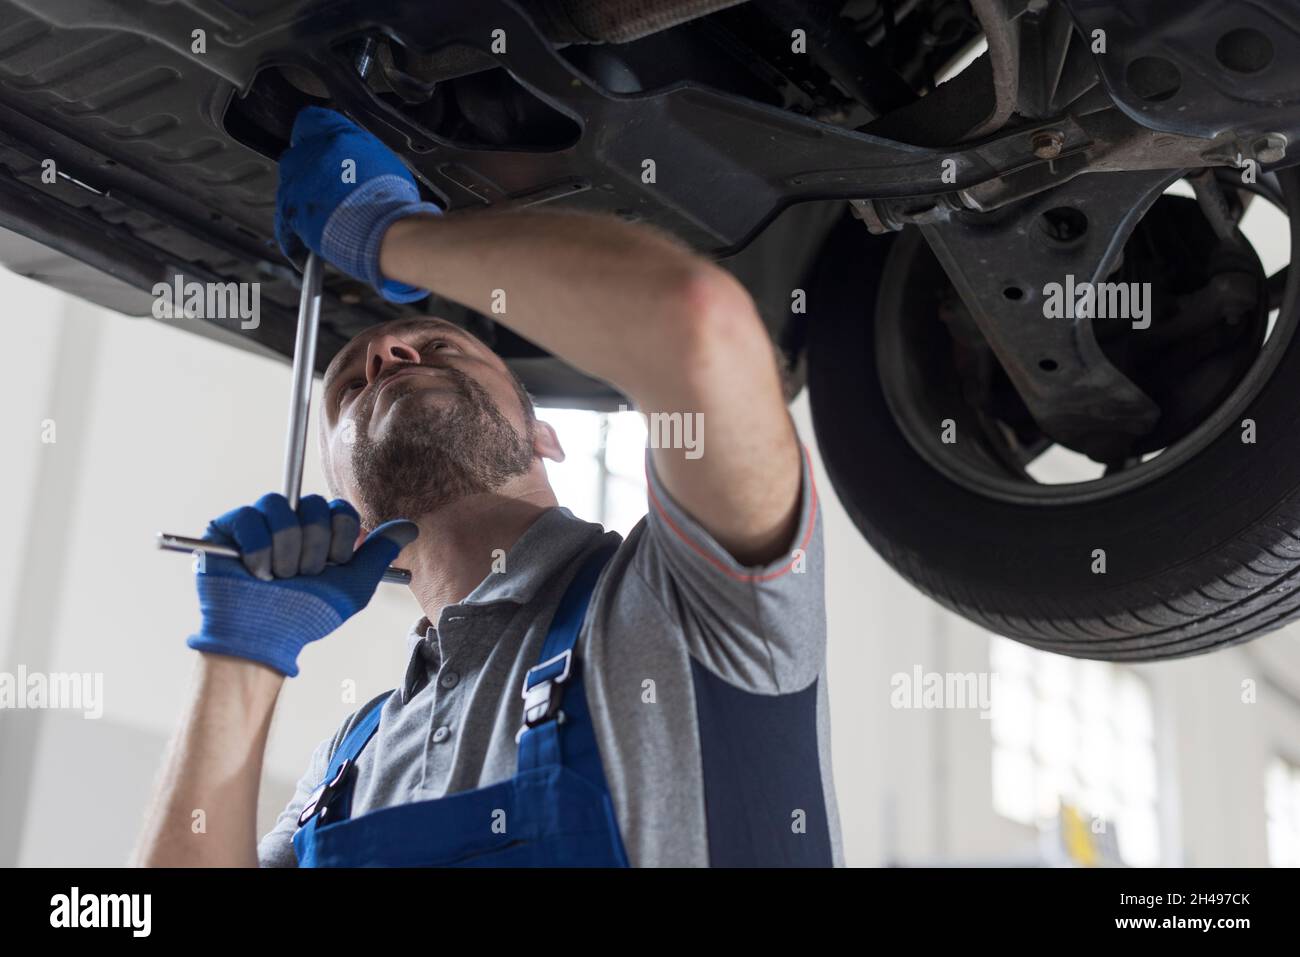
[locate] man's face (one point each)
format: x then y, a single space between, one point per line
417 414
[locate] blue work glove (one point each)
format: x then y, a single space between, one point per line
281 595
344 221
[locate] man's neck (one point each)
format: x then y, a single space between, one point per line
454 552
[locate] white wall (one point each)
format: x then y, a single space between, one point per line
160 429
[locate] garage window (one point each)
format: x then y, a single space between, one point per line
1081 733
1282 791
602 478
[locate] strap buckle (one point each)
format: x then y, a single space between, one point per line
544 691
319 802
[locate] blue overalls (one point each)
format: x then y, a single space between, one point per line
556 810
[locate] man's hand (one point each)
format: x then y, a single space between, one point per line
283 595
340 190
622 302
258 613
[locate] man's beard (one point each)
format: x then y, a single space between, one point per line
432 455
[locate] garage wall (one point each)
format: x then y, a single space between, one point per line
157 429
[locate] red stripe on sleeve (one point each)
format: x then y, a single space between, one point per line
713 560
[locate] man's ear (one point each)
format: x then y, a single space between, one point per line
545 442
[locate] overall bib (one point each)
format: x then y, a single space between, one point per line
556 810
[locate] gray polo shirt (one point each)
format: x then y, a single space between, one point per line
705 680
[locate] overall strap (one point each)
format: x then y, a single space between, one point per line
355 741
556 675
333 799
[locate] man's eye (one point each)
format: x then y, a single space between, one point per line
437 344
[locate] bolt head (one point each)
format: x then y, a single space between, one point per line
1047 144
1270 148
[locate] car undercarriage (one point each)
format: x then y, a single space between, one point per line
978 230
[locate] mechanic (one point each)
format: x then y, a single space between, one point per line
674 682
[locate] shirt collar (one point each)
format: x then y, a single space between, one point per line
554 540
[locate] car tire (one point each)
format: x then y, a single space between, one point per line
1204 556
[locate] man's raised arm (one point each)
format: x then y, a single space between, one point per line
633 307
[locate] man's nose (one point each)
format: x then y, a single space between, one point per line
386 352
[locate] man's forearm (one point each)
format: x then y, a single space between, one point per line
204 811
607 296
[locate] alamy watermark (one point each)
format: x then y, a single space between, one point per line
208 300
130 911
55 691
1098 300
943 690
675 430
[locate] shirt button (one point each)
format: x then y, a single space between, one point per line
449 679
441 734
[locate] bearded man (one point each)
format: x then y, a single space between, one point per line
659 700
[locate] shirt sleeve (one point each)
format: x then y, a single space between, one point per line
761 628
